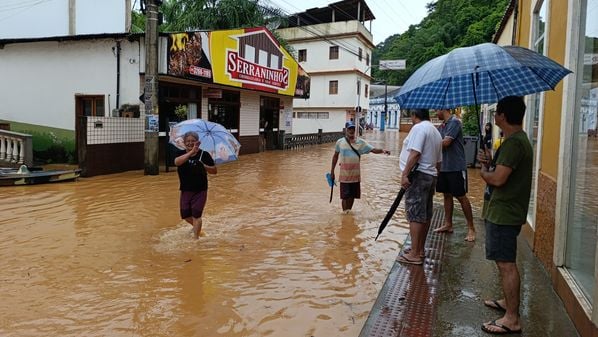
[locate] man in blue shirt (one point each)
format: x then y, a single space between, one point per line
452 180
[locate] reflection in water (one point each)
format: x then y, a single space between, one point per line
108 256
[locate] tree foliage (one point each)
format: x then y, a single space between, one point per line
470 120
189 15
450 24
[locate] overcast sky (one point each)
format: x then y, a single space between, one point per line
392 16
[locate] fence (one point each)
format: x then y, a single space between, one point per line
298 141
15 149
110 145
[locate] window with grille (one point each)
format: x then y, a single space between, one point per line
302 55
333 54
333 87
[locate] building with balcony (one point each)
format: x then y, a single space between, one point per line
334 47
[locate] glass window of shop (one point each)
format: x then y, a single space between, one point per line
532 118
225 110
582 225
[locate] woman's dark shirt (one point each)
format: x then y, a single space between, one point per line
192 175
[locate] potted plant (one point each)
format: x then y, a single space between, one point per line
181 112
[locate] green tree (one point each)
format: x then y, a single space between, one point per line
189 15
449 24
470 121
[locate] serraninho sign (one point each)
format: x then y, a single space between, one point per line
248 58
248 72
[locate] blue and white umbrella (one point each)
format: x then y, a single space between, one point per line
483 73
215 139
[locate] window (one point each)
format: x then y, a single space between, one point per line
311 115
225 110
358 87
302 55
367 87
582 223
333 54
333 87
359 55
367 59
91 106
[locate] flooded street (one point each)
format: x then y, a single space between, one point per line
109 256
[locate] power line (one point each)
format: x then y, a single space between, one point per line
352 49
21 9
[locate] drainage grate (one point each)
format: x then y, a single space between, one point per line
406 304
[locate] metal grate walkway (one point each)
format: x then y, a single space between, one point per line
406 304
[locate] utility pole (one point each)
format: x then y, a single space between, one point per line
151 166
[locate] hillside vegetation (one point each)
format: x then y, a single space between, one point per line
449 24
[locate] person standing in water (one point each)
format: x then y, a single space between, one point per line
349 149
193 166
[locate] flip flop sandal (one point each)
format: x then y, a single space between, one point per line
404 259
505 329
494 304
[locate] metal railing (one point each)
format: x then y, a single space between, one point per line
15 148
298 141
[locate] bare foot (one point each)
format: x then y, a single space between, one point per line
407 250
196 232
444 229
470 236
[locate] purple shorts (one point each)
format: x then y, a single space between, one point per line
192 203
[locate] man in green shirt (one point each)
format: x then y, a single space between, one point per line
509 178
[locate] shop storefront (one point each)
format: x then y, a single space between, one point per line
242 79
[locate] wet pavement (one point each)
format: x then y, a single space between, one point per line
444 298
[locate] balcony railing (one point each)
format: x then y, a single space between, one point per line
15 149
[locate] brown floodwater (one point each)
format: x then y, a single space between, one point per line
109 256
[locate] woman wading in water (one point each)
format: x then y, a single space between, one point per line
193 166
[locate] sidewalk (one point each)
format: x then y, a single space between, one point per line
444 298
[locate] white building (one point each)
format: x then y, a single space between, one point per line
35 19
335 49
376 111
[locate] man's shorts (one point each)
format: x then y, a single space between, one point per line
419 198
454 183
350 190
501 242
193 203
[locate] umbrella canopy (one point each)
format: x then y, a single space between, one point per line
215 139
483 73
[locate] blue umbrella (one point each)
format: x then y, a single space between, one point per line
483 73
215 139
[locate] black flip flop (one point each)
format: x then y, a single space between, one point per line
505 329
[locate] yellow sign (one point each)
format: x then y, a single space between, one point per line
252 58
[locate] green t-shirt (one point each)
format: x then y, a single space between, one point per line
508 204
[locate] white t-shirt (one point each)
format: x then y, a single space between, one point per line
425 139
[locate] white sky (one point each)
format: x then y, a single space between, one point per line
392 16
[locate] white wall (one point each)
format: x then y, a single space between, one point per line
27 18
346 97
40 80
335 122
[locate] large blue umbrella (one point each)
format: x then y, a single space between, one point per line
214 138
483 73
